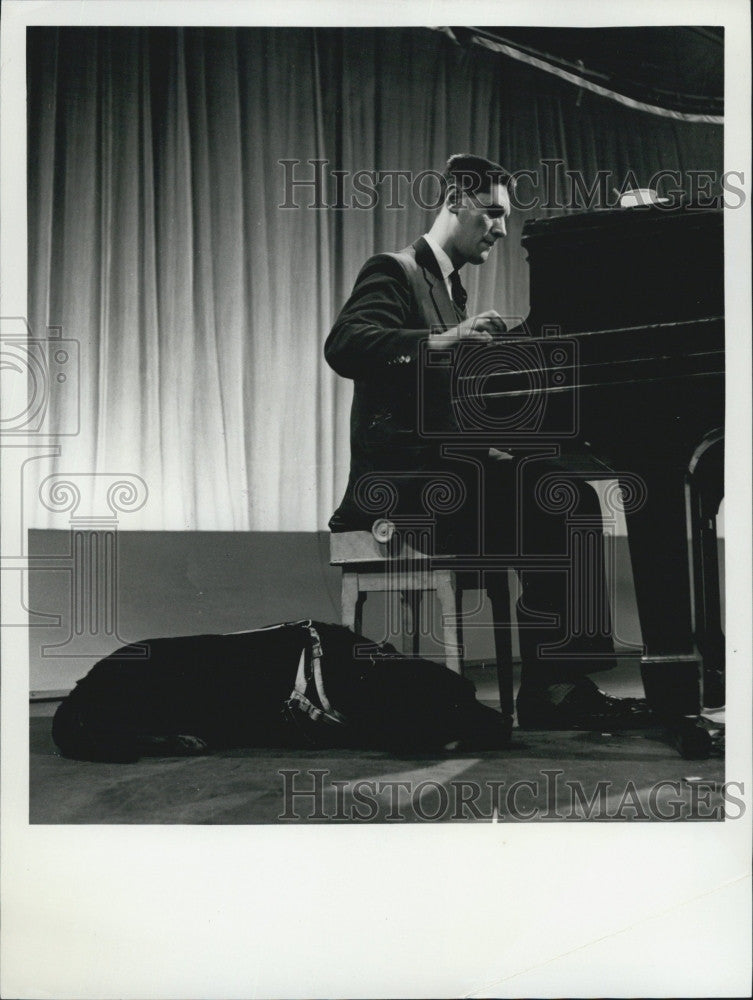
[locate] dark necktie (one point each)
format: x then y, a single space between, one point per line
459 294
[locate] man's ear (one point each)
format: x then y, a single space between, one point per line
453 198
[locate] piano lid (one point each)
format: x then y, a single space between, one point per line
632 222
623 267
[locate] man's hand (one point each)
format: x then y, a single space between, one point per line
480 328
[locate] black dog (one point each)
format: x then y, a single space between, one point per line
298 684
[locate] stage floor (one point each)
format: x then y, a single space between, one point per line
543 776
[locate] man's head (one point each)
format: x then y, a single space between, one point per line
475 208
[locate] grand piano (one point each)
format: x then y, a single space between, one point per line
626 340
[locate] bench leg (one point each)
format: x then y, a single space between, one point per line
445 584
499 598
458 614
410 607
351 603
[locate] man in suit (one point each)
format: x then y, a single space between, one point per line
402 407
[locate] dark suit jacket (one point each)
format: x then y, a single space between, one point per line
397 301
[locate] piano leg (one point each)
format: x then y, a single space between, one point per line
657 538
705 489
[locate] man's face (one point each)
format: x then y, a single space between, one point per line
481 221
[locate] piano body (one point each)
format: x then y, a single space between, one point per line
636 295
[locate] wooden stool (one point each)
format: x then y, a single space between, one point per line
381 561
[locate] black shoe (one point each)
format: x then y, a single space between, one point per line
585 707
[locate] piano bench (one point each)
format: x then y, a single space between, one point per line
377 562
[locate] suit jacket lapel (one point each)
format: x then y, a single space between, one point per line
447 314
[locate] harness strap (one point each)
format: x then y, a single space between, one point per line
309 682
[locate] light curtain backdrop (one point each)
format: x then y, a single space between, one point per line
201 307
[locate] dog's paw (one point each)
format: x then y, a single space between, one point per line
179 744
190 744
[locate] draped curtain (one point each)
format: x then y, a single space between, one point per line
157 239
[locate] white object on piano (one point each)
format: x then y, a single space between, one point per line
632 197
